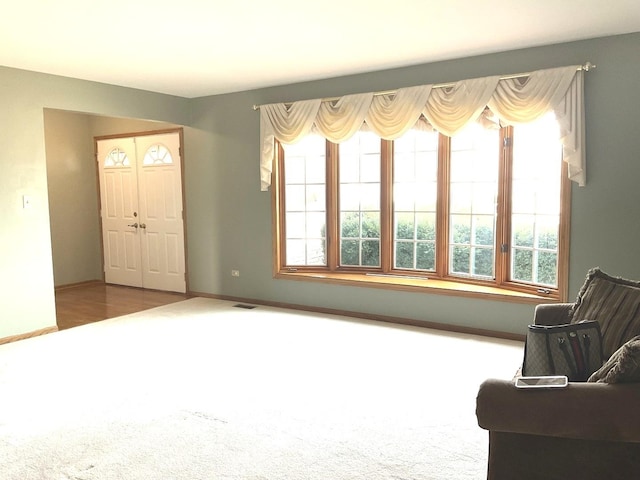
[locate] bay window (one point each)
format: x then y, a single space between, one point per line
483 207
459 188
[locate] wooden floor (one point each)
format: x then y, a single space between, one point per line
92 302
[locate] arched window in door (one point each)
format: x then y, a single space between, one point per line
117 158
157 154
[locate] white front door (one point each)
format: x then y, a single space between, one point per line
162 225
119 211
142 211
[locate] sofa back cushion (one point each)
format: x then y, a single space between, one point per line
622 367
615 303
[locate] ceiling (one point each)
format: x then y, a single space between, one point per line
194 48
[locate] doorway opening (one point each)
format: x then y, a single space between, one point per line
72 178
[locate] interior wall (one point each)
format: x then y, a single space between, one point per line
26 266
605 230
72 194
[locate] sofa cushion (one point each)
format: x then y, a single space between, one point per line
622 367
615 303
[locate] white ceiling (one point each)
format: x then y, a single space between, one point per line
194 48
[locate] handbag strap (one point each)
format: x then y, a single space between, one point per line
586 340
549 354
576 348
562 343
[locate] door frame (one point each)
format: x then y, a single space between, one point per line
180 132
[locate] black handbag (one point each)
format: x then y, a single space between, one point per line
574 350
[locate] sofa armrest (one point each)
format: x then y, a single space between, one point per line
589 411
552 313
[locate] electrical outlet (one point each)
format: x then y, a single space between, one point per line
235 273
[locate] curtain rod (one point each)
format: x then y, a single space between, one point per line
586 67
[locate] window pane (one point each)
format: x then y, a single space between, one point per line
405 226
426 226
371 225
350 225
548 232
296 252
350 196
315 196
475 156
315 167
537 166
295 197
349 252
371 253
305 202
522 266
547 268
426 255
404 198
315 225
523 227
294 165
461 229
359 200
415 193
296 225
404 255
370 196
461 199
483 230
483 262
370 167
315 252
460 259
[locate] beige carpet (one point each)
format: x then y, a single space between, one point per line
202 390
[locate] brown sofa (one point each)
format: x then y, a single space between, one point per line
587 431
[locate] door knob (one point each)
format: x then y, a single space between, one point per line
143 225
134 225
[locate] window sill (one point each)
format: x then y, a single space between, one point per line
423 285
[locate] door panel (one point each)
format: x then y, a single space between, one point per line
160 192
119 200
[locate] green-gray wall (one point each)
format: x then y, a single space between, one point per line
229 219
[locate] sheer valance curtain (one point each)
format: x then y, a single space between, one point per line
446 109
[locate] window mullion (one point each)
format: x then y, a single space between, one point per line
564 233
386 206
333 232
503 227
442 216
278 206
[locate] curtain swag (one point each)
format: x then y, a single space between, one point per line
447 110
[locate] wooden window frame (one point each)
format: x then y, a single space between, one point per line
440 281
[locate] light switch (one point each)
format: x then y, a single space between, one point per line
26 201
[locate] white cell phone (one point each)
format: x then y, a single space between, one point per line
554 381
